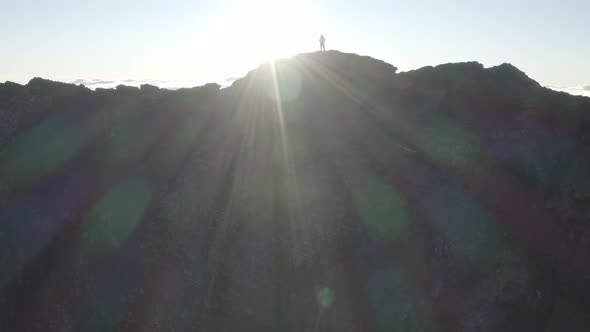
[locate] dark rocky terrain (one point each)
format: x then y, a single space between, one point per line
320 193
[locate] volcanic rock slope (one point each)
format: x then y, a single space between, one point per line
325 192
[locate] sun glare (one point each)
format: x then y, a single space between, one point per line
260 30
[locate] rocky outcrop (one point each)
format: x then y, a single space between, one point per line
322 192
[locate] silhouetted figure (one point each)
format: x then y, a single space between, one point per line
322 43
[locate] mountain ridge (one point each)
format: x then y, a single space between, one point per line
448 198
453 66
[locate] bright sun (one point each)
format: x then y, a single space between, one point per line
260 30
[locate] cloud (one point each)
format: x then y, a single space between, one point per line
110 84
92 83
572 90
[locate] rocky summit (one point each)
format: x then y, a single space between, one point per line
325 192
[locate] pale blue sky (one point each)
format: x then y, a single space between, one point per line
204 41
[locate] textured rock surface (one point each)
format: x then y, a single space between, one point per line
325 192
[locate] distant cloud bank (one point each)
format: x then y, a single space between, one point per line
572 90
172 85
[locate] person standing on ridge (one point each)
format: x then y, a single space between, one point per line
322 43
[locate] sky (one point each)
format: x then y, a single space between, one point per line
181 42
